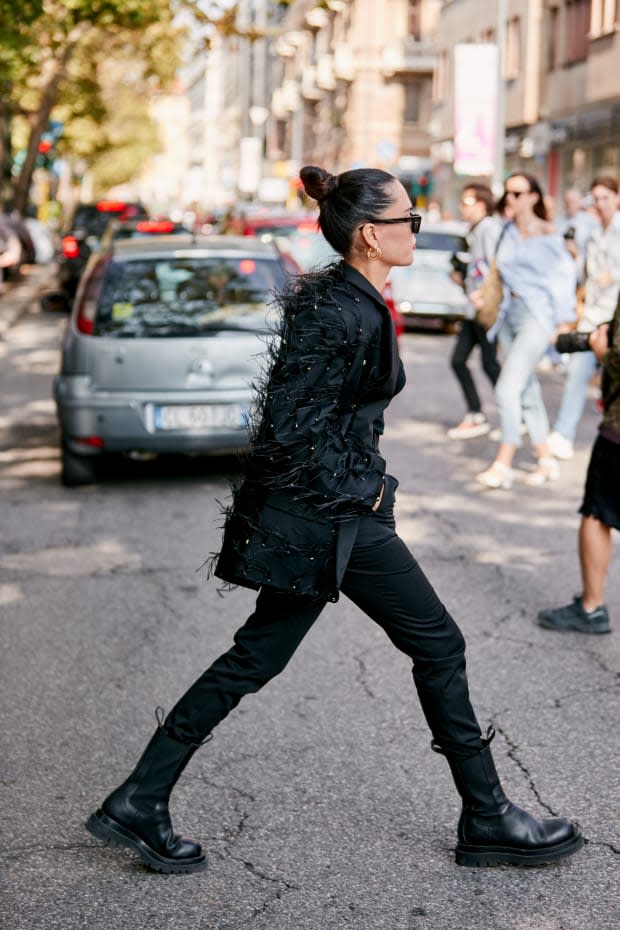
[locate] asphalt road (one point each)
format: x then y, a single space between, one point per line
319 801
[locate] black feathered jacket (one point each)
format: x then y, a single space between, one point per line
314 465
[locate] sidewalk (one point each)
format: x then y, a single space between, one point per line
17 295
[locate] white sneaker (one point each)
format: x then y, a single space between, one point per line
472 425
560 447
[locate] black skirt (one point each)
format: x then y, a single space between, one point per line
601 498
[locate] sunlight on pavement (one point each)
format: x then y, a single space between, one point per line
9 593
39 362
102 558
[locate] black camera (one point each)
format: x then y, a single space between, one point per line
577 342
570 233
573 342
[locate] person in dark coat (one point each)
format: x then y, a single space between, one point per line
313 517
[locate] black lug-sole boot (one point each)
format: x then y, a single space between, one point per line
136 814
494 831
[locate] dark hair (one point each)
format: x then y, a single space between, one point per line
482 193
346 200
539 207
605 180
502 203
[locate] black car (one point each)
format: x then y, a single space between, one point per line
84 233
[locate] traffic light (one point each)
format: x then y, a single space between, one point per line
47 146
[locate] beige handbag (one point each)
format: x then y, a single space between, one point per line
492 293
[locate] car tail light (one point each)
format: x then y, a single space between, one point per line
111 206
85 319
70 247
95 441
155 226
397 319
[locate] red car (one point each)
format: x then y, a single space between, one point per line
298 235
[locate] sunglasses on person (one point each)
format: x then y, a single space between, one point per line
516 194
413 218
468 201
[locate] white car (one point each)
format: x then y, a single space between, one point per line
425 290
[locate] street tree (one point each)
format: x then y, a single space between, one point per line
45 47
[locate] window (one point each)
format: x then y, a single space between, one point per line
414 20
553 24
412 101
512 54
603 17
578 16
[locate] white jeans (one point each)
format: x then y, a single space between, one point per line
523 341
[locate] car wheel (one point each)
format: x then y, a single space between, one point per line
77 469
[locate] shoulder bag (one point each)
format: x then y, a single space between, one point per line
492 291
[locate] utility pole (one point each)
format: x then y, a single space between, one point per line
498 173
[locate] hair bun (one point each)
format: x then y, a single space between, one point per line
317 182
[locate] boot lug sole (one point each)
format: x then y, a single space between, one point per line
488 856
113 833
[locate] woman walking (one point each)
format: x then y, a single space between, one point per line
313 517
539 280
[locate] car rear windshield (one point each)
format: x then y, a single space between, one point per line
185 296
440 241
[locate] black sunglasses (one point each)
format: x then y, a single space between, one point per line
414 219
517 194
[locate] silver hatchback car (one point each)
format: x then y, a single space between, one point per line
163 342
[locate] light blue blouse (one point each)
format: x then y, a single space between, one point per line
541 272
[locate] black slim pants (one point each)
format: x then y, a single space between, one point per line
471 335
386 582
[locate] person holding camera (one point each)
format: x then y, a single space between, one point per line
602 285
476 208
577 225
600 510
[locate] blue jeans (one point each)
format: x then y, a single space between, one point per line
523 340
581 368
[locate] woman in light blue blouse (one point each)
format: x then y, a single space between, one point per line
539 280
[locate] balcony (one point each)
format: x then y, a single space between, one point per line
309 87
408 57
344 63
325 78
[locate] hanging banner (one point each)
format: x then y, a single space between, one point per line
475 108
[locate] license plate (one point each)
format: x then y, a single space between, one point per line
198 416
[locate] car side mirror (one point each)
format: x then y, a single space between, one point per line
55 302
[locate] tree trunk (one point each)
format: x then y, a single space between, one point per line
5 150
49 95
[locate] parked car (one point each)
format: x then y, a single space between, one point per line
426 290
136 229
16 244
164 339
83 236
299 238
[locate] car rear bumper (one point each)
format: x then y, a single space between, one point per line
94 422
431 311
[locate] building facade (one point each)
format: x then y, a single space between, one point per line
355 86
559 87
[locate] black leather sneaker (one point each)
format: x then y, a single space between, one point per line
574 618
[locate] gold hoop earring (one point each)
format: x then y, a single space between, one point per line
373 253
